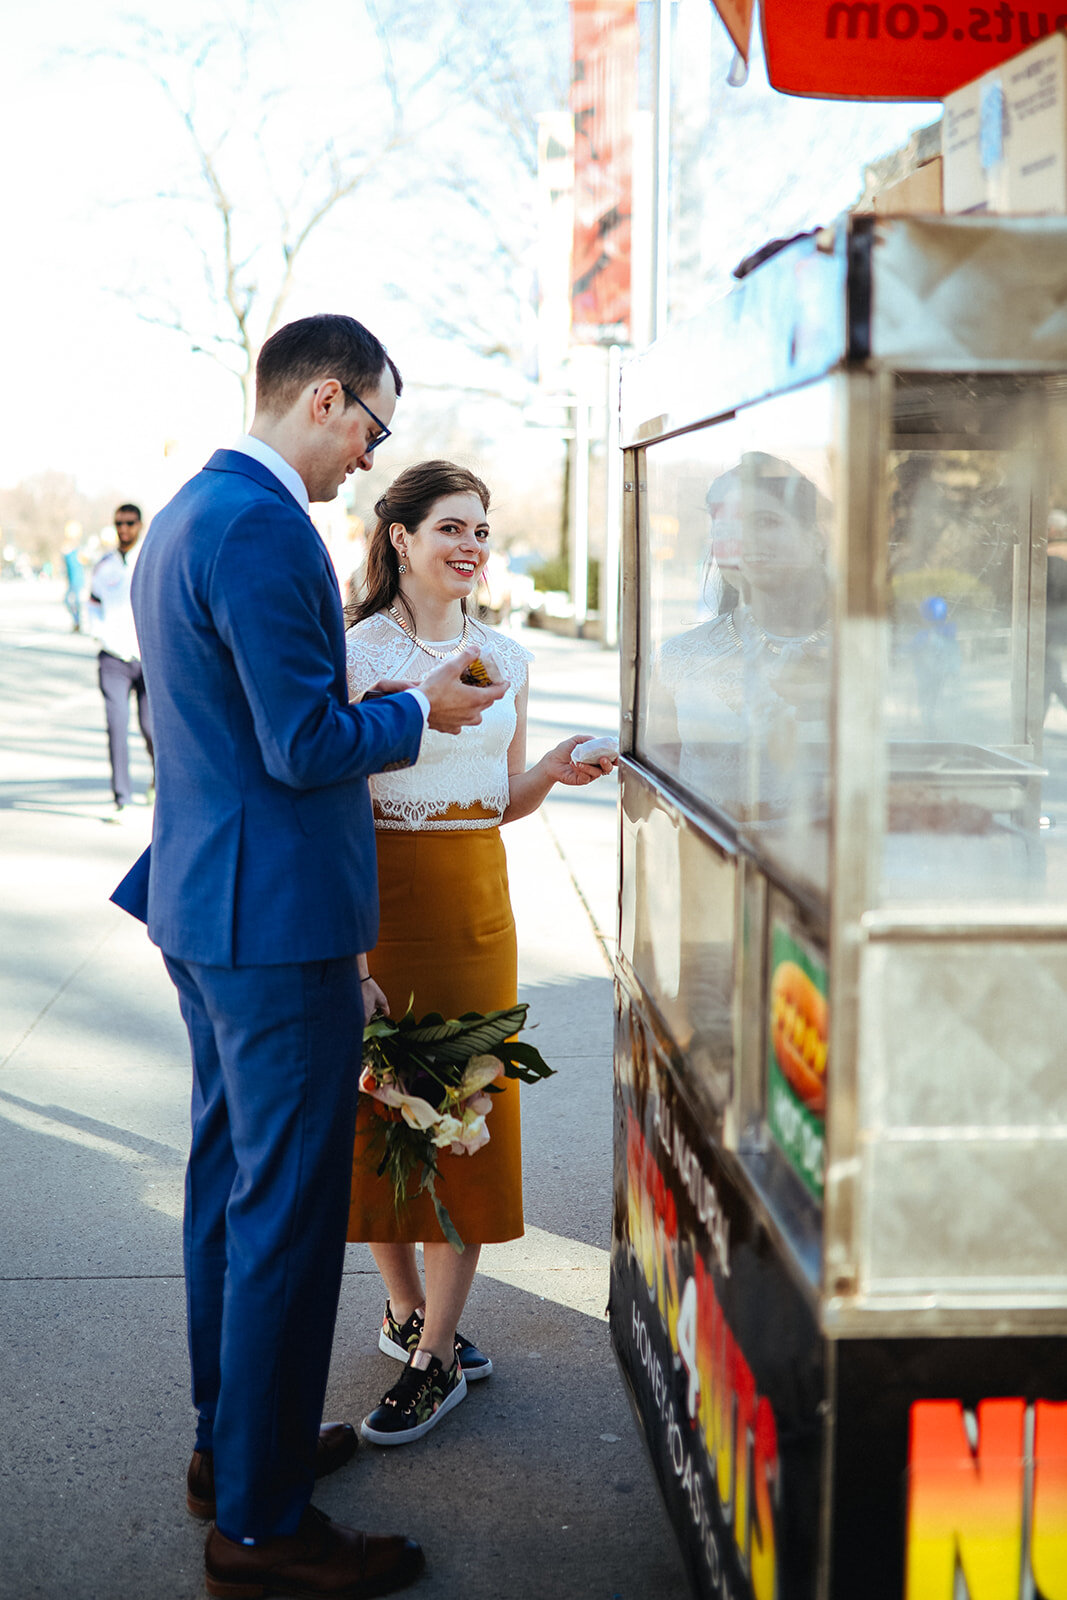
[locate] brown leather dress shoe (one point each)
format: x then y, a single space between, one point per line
336 1444
321 1559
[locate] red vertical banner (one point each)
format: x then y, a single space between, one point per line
603 100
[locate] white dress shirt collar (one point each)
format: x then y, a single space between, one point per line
268 457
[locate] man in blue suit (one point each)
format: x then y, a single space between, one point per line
260 889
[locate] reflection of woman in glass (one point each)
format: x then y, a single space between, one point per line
737 695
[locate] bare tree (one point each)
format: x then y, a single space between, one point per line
438 86
518 59
36 512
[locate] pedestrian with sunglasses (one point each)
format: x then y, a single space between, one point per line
119 662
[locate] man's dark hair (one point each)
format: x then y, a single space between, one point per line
323 346
130 509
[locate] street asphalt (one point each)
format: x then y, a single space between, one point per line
537 1487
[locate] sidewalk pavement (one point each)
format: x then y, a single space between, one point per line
537 1488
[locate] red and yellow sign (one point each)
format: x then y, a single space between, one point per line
603 100
980 1501
729 1420
886 49
797 1044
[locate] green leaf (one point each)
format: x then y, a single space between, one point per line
430 1020
432 1028
448 1227
478 1037
524 1061
514 1017
441 1047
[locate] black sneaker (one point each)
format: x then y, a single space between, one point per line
474 1362
416 1403
399 1339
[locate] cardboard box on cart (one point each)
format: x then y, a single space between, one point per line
1005 136
916 194
963 180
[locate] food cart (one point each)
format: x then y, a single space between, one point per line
839 1255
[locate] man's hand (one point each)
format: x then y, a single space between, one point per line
388 686
455 705
374 1002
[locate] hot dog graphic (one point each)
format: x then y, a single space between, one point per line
799 1033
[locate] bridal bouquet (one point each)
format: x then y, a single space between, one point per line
436 1079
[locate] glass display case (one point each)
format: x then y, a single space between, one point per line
839 1262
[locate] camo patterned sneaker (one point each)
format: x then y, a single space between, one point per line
399 1339
416 1402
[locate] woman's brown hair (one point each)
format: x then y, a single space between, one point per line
408 500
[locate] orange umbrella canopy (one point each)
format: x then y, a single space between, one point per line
884 49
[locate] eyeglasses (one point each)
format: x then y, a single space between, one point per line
131 522
383 432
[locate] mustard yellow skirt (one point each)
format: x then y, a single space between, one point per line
447 936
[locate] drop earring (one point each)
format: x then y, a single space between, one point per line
402 568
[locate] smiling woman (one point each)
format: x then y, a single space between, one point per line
446 552
431 543
738 704
447 935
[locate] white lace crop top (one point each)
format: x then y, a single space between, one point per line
465 769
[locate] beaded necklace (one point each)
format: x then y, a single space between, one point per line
776 642
438 655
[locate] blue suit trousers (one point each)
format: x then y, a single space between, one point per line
276 1055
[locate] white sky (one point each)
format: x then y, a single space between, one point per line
88 388
84 387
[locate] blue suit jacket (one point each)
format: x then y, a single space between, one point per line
263 843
